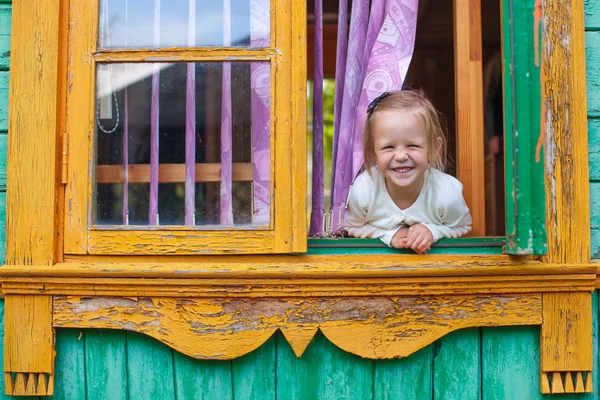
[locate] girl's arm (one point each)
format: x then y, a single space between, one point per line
454 213
355 221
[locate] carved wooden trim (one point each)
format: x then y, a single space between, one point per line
28 345
371 327
566 343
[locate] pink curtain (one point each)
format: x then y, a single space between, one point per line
380 48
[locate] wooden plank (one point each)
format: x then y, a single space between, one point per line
469 108
5 28
592 14
253 375
4 80
2 227
69 380
105 364
456 365
566 145
323 372
201 380
566 350
592 53
170 55
3 152
510 363
149 369
31 202
299 131
281 92
405 378
170 173
3 396
28 344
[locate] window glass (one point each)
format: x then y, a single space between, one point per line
183 144
161 23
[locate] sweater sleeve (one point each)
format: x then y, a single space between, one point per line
355 221
452 210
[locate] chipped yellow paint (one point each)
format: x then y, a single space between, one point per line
567 177
373 327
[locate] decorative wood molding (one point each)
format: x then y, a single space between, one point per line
28 345
566 343
371 327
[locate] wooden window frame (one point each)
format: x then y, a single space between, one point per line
343 295
286 230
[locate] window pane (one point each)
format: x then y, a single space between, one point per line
183 23
183 144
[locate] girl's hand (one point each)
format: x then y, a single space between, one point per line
399 239
419 238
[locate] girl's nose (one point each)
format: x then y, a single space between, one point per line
401 155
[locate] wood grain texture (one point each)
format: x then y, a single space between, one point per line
369 327
510 363
150 369
180 242
200 379
171 173
566 146
28 330
70 382
469 108
106 364
254 375
299 131
407 378
566 336
457 355
32 144
323 372
171 55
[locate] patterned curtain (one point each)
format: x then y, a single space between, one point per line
379 50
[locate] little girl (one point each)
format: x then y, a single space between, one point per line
403 197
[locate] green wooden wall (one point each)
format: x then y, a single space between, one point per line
490 363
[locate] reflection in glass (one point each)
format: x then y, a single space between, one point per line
183 23
183 144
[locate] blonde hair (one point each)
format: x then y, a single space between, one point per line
416 103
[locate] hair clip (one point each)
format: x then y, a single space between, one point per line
376 102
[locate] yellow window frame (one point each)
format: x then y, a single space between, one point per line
287 231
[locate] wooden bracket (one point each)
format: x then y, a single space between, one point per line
566 343
28 345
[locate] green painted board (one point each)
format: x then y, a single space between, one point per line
69 365
201 380
406 378
4 101
323 372
105 364
149 369
253 375
510 363
592 14
526 196
592 55
456 365
5 26
3 152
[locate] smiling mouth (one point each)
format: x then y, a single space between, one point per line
403 170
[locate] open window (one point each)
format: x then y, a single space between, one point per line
466 62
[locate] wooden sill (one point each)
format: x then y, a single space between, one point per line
297 276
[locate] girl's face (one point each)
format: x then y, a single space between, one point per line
401 151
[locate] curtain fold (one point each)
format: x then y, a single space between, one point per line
380 48
190 124
318 170
226 210
261 113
